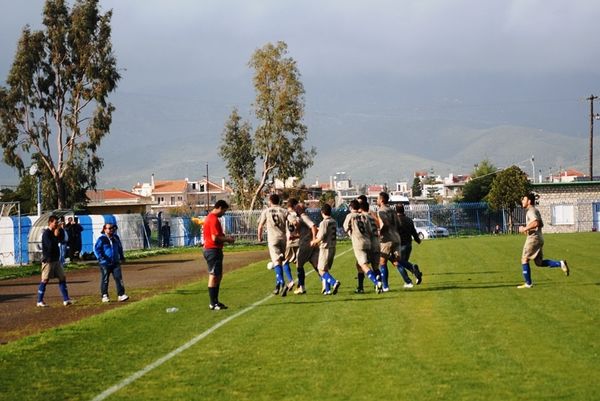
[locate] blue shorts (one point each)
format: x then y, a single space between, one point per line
214 260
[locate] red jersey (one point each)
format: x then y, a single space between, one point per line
212 226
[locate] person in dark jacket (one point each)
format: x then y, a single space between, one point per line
109 251
51 266
407 232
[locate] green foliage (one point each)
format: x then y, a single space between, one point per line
417 187
237 150
54 109
508 187
481 181
327 197
461 335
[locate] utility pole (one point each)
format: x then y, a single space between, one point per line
207 190
592 118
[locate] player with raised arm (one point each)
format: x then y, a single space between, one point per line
274 219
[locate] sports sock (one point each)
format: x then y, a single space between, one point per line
212 294
361 279
301 275
329 279
62 285
278 274
384 275
404 274
550 263
217 288
371 277
287 271
41 291
377 272
526 273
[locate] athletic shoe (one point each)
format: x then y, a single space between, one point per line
222 306
326 292
277 289
360 290
300 290
68 302
105 298
41 305
525 285
217 306
288 287
408 285
418 275
385 289
123 297
564 267
336 286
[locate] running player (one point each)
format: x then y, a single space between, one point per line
407 232
390 241
274 218
359 229
534 244
307 231
326 240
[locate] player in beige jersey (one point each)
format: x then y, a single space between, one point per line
390 241
358 227
326 240
307 230
274 219
292 244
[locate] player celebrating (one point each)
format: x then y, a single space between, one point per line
307 231
274 218
292 244
534 244
407 232
359 229
390 241
326 240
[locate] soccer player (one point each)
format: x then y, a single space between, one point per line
534 244
274 219
292 244
51 266
214 238
407 232
375 246
326 240
390 241
359 229
307 231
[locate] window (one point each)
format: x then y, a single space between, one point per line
180 199
563 214
201 188
172 200
194 186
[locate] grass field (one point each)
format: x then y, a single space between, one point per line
466 333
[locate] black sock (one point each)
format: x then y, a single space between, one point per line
301 275
218 287
361 279
213 295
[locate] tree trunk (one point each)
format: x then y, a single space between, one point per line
60 192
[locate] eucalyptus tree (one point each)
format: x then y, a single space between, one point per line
54 109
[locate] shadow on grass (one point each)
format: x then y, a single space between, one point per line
36 281
10 297
157 263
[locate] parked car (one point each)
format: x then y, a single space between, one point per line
426 229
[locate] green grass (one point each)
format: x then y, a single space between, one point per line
467 333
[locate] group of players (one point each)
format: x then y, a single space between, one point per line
377 238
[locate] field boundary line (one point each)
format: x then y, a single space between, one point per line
127 381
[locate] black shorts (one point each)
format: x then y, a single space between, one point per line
214 260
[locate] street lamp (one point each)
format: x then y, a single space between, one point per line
33 171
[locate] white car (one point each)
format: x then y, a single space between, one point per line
426 229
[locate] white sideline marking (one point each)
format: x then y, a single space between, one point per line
125 382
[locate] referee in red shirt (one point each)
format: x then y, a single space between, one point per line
214 238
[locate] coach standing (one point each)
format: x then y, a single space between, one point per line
214 238
51 266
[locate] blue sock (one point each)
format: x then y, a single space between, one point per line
550 263
384 275
278 274
288 271
526 273
41 291
404 274
329 279
372 277
62 285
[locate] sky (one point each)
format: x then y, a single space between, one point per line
526 62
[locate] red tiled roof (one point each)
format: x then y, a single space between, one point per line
173 186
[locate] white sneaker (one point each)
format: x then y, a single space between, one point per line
68 302
564 267
123 297
408 285
41 305
525 285
105 298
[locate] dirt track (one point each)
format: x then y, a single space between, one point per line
143 278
